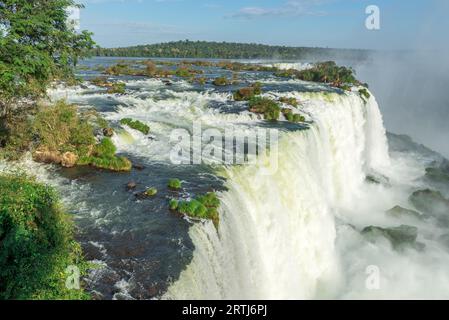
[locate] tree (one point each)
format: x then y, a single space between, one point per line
37 45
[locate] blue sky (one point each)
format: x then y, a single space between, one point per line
404 24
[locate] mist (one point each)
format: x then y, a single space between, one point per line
412 86
412 91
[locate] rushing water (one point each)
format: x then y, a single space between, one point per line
293 234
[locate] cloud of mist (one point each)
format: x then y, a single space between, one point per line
412 87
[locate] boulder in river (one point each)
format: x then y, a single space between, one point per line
399 237
431 202
69 159
131 185
400 212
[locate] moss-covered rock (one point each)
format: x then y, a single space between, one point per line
150 192
269 108
103 156
364 93
136 125
117 88
248 93
202 207
175 184
290 101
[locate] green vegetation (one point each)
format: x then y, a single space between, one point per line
269 108
225 50
221 81
150 192
248 93
36 242
292 117
39 46
103 157
59 134
117 88
290 101
136 125
327 72
364 93
202 207
175 184
173 204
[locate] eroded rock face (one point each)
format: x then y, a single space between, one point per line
399 237
69 159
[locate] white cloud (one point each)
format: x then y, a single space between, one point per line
289 8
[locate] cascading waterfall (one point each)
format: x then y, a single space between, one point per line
276 238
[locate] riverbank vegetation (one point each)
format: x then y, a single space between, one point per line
227 50
36 243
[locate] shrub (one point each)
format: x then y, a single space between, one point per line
328 72
175 184
290 101
269 108
103 157
201 207
36 242
117 88
292 117
15 135
364 93
220 81
247 93
136 125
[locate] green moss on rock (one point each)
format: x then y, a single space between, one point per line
136 125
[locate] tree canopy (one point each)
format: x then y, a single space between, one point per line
37 44
228 50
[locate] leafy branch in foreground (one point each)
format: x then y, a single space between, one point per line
37 45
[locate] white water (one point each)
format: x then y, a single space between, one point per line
277 233
296 234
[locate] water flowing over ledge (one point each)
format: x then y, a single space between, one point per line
276 239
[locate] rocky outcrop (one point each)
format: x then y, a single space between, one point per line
69 159
399 237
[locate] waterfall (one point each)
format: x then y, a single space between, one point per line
276 238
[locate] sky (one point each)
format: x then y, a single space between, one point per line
317 23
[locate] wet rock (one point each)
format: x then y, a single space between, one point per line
131 185
108 132
438 174
400 212
399 237
444 239
431 202
138 166
69 159
378 179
